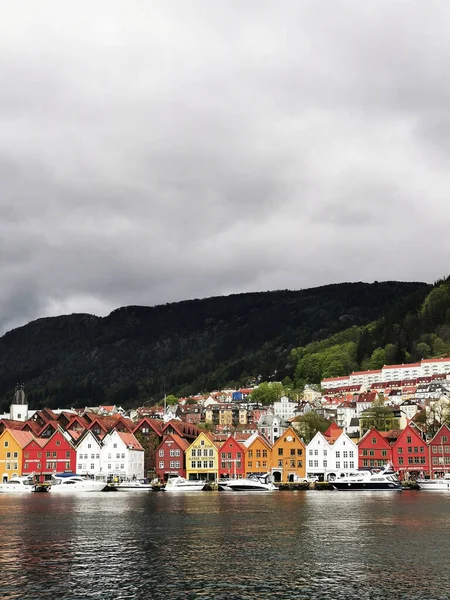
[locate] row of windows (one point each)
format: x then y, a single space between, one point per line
292 452
230 465
291 464
86 456
413 460
372 452
374 463
258 453
258 464
439 460
417 449
198 464
440 449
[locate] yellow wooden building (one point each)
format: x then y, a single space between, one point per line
288 457
202 458
12 443
257 455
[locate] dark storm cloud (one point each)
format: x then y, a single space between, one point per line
152 152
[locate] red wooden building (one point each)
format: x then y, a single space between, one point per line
373 450
231 459
170 457
439 452
410 453
46 456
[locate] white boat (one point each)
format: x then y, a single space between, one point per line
252 483
74 484
134 485
435 485
180 484
22 485
367 480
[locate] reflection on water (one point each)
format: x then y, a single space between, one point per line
225 546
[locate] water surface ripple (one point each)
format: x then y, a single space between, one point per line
296 545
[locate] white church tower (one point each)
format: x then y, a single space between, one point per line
18 411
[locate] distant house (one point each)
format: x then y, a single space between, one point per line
258 455
272 427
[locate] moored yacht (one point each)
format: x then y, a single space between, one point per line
435 485
367 480
134 485
22 485
74 484
252 483
180 484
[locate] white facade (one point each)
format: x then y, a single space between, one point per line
318 453
121 455
365 378
285 408
331 383
88 455
272 427
343 454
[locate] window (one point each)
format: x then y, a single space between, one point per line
310 463
316 463
384 453
58 442
193 464
47 454
371 452
310 452
352 464
444 438
205 452
400 460
109 466
264 453
324 452
118 455
300 464
194 452
79 467
239 454
338 464
122 455
114 445
211 464
338 454
92 466
374 440
408 439
400 450
250 453
364 452
161 464
174 464
205 464
409 449
89 445
8 455
280 451
27 454
6 444
300 452
416 449
160 453
39 454
211 452
54 454
250 464
345 454
316 453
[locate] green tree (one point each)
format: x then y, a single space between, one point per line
423 350
378 358
267 393
440 348
171 399
309 424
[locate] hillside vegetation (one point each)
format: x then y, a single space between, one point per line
420 328
134 354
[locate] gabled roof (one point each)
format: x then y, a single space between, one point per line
155 424
179 441
11 424
254 437
22 437
129 440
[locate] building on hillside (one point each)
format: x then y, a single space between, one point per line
171 457
272 427
285 409
346 414
408 409
288 457
373 450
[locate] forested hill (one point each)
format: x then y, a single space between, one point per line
132 355
407 333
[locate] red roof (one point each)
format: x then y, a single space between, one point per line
129 440
22 437
365 372
407 366
431 360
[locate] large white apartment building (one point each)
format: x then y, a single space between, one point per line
426 368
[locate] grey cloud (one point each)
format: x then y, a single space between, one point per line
152 152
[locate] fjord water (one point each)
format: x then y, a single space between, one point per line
322 545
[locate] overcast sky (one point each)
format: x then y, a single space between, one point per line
156 151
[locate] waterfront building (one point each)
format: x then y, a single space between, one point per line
288 457
121 456
149 434
342 454
439 452
202 458
410 453
373 450
171 457
88 452
318 456
12 443
257 455
231 459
